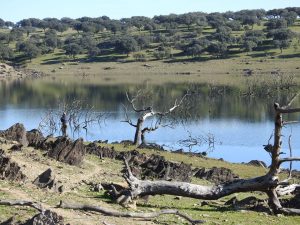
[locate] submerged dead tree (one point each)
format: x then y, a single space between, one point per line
269 183
79 115
148 112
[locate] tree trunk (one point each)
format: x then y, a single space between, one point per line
140 188
143 138
268 183
138 131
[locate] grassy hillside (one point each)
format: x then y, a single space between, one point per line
75 180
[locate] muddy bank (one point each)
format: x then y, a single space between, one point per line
8 73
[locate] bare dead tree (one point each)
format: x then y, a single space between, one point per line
79 114
200 140
145 113
269 183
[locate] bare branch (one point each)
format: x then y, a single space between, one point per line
287 189
291 155
290 122
291 101
290 159
132 101
127 119
176 105
35 205
285 110
143 215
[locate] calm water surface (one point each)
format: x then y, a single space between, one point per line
240 125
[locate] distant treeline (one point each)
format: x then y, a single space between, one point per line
193 35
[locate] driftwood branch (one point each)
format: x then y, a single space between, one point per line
143 215
35 205
289 159
287 190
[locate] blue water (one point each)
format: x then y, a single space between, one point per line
235 140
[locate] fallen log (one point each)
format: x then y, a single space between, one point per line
142 215
32 204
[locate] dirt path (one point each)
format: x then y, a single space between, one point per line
33 163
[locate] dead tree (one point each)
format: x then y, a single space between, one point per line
269 183
80 116
145 113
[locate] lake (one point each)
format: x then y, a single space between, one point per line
240 124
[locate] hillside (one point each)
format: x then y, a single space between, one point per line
80 185
172 38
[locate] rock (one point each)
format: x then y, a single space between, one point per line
10 221
47 180
10 170
217 175
151 146
231 201
98 187
46 218
16 132
35 138
17 147
248 72
257 163
65 150
293 202
157 167
102 152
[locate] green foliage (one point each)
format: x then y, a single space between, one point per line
183 32
282 38
126 44
6 52
73 49
139 56
218 49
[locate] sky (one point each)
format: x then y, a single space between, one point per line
16 10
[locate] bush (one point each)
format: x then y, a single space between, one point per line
139 56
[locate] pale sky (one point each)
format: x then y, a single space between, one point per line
15 10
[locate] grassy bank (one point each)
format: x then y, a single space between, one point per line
95 170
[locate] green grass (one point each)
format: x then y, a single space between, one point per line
214 212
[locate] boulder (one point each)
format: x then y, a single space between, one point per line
35 138
10 170
65 150
157 167
257 163
216 175
47 180
102 152
46 218
16 132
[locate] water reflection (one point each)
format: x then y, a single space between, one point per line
243 124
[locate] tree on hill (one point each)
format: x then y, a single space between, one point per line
252 39
4 37
30 50
2 23
282 38
16 34
73 49
126 45
6 53
223 34
276 24
217 48
216 20
51 39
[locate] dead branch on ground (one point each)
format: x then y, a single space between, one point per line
142 215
